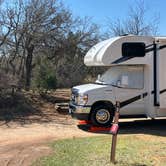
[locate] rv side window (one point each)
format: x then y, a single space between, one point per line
133 78
125 76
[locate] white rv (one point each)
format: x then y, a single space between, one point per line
136 77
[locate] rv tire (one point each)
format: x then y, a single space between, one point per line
102 115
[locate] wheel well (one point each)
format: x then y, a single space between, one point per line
103 102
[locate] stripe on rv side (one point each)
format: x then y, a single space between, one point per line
133 99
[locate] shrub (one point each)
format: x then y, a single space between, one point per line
45 77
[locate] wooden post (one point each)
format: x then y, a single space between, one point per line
114 131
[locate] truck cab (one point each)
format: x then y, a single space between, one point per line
96 101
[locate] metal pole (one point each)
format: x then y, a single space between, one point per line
113 148
114 131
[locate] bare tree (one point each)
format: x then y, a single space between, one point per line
30 24
43 19
45 29
71 69
136 23
68 51
5 25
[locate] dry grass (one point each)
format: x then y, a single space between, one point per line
131 150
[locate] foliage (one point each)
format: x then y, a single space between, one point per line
45 77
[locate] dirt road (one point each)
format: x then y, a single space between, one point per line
31 123
21 145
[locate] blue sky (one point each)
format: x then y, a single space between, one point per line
100 10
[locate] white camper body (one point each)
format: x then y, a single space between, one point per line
124 81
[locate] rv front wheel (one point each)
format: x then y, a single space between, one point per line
102 116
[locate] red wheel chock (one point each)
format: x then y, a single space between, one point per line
92 128
84 122
99 129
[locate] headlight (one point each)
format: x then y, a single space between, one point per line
82 99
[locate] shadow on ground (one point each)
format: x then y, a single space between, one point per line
153 127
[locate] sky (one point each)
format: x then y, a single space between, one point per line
101 10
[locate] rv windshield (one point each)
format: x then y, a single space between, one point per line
124 76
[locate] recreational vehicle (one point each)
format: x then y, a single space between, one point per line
136 77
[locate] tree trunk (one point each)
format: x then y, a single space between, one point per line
29 67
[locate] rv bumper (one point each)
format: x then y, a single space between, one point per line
79 112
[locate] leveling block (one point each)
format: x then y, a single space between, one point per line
84 122
99 129
111 129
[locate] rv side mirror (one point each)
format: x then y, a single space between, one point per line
98 77
125 80
133 49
